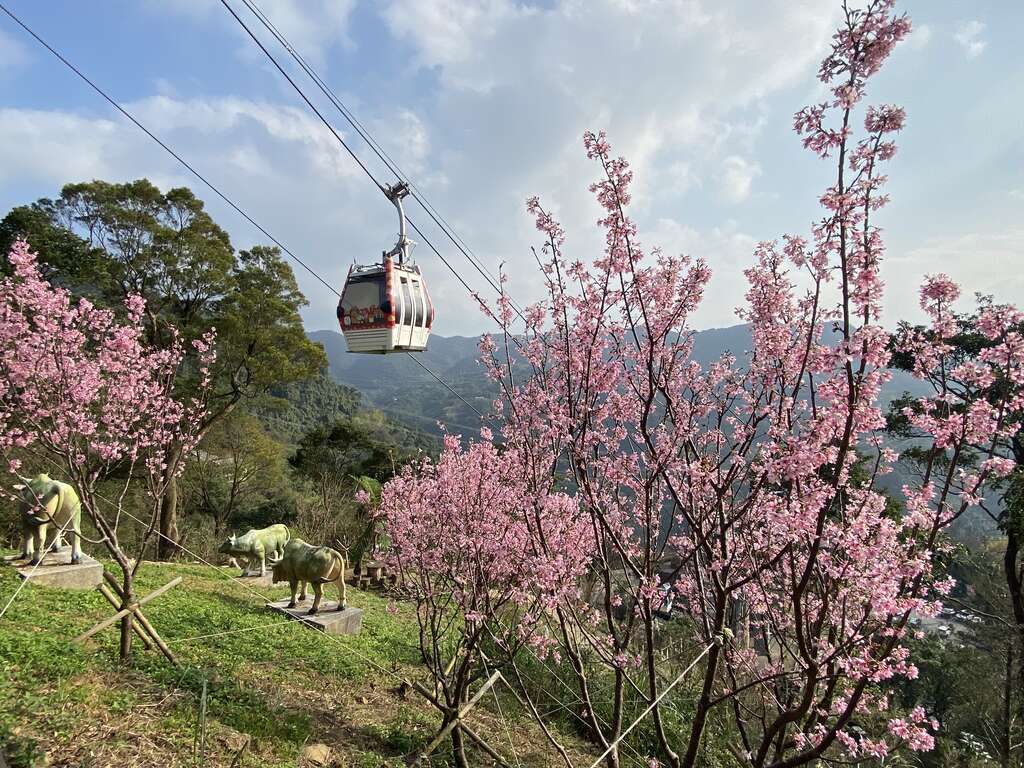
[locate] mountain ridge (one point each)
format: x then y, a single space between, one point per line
399 386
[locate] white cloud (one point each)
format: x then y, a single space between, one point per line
680 178
1017 194
225 117
981 262
311 26
55 147
968 35
920 36
678 85
727 252
406 139
447 33
737 178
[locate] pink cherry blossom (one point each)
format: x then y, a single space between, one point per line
732 483
84 393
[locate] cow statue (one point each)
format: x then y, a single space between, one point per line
256 546
49 510
303 563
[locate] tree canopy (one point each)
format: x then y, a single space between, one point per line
109 241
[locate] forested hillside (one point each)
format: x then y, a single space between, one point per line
402 388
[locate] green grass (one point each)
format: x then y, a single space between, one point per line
261 676
273 686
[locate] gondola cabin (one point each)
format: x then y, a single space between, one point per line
385 308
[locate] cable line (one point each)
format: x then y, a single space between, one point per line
164 146
216 190
374 145
445 385
341 141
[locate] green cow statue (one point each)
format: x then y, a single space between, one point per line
256 546
49 510
303 563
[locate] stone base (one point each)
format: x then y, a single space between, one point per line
264 581
56 571
329 621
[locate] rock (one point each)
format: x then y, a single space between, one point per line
317 754
235 741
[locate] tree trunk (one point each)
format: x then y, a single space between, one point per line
652 680
167 544
1012 569
459 748
1008 696
128 620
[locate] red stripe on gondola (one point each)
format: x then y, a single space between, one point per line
367 327
388 281
341 299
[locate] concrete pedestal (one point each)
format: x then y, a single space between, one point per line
329 621
56 570
257 582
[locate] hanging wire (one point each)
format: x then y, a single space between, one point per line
651 706
576 697
497 703
340 140
42 556
375 146
444 384
216 190
164 146
196 638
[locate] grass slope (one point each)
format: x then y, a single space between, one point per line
273 685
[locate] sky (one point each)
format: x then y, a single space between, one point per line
483 103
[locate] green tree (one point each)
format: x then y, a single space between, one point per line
292 410
238 467
967 677
337 460
110 240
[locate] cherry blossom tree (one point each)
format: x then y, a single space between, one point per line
747 490
82 394
973 348
485 556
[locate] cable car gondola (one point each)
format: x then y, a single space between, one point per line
385 307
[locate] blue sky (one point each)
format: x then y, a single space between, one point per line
483 102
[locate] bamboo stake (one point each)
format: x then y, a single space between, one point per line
141 618
143 621
456 721
473 735
125 611
202 725
139 630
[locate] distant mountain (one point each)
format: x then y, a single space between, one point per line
399 386
406 392
290 411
